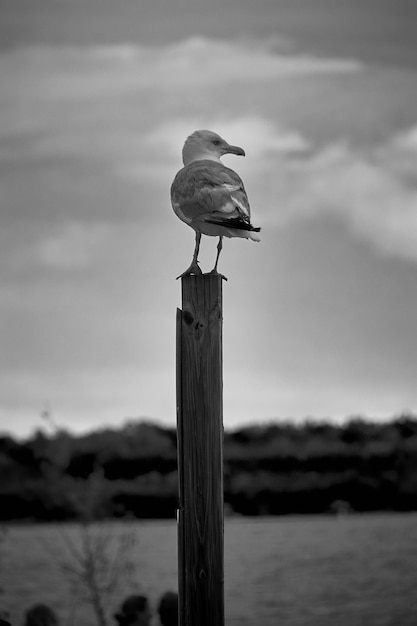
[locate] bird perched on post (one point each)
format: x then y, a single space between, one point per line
210 197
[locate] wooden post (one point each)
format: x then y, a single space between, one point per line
200 452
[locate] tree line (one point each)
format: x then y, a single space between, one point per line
269 469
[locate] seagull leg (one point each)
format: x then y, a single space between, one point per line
194 268
219 249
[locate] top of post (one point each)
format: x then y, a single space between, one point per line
202 288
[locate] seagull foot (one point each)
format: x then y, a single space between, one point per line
215 273
193 269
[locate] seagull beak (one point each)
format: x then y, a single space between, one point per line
233 150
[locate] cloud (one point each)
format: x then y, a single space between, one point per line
369 189
407 141
73 247
96 102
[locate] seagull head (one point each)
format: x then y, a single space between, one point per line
205 144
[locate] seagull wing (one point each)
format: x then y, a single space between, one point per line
207 191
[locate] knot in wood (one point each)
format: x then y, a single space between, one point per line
188 317
202 575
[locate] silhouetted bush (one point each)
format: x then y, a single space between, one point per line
268 469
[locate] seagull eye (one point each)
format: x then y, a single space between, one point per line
216 142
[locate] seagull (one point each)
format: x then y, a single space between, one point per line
210 197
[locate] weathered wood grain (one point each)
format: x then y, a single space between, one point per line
200 452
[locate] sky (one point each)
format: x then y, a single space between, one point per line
97 98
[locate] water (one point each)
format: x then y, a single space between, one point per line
291 571
323 571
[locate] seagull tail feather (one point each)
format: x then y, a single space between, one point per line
235 223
